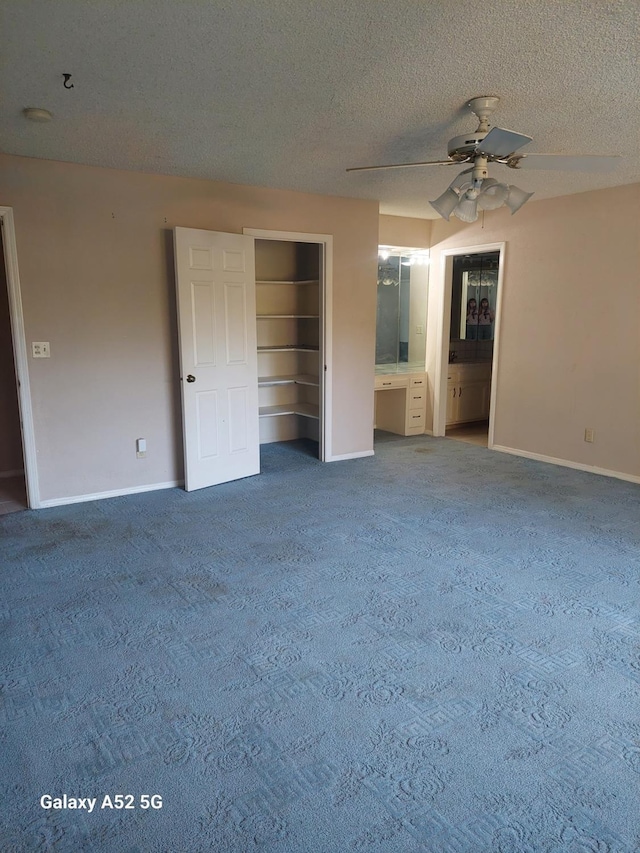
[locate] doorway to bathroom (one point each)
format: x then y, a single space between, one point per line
465 383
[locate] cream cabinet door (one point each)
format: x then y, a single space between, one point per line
471 401
452 402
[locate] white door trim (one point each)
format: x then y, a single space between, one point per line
442 347
326 296
20 357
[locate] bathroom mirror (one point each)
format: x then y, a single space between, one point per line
474 295
401 319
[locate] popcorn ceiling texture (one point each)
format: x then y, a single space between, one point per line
289 94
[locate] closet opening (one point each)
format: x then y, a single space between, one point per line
290 339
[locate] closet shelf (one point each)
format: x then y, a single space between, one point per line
289 348
289 316
295 379
278 281
307 410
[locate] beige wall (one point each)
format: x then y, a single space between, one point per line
96 268
10 438
569 354
404 231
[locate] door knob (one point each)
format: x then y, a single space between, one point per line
191 378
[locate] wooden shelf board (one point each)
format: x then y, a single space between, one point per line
287 317
307 410
295 379
289 348
278 281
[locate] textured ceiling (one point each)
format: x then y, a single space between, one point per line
289 93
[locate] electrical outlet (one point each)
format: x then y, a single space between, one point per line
589 435
419 330
141 448
40 349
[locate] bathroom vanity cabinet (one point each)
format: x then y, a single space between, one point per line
468 392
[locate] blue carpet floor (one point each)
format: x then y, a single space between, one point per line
433 649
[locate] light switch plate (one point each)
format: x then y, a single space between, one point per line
40 349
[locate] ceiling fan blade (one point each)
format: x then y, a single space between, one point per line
405 165
500 142
566 162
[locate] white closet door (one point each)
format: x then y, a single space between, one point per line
216 296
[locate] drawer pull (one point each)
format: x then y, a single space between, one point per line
386 383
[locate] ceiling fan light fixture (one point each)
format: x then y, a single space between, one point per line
516 198
465 197
446 203
467 209
492 195
461 182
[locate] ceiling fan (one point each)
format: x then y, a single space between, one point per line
473 190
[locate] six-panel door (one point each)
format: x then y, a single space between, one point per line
215 279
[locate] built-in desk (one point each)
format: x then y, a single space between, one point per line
401 402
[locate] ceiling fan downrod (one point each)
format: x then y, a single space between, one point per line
483 106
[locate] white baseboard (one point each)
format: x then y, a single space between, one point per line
116 493
566 463
344 456
15 473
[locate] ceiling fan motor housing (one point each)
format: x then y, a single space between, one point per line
462 146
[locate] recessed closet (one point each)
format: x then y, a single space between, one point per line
289 318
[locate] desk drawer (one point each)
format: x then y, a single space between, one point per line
415 419
417 398
383 382
419 381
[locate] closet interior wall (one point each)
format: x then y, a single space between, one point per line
289 323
